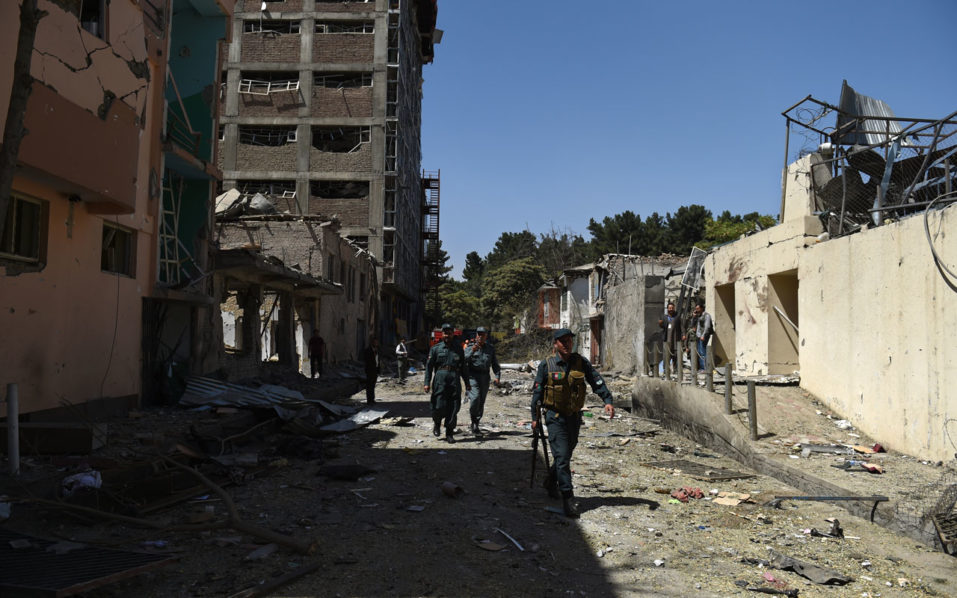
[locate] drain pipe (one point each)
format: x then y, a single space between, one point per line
13 428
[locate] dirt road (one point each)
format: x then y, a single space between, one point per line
393 532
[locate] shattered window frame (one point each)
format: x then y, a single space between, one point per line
118 251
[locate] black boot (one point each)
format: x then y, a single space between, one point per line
437 429
551 485
475 428
448 436
569 507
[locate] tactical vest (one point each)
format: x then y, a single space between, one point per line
565 392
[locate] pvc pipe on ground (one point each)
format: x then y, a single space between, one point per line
752 410
727 389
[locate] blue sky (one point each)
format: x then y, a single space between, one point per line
541 114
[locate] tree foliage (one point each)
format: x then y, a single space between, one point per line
506 290
459 307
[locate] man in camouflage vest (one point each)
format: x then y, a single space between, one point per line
560 391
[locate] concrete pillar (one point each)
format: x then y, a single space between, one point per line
285 331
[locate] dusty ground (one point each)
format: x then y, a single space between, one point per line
394 533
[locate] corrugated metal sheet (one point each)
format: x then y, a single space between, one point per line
209 391
854 124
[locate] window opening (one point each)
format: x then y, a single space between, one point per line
343 80
21 233
91 17
340 139
267 136
339 189
117 253
364 27
273 27
265 83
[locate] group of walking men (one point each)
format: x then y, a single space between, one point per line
558 397
448 368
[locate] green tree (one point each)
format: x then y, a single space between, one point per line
459 307
508 290
687 227
511 246
473 273
615 233
726 228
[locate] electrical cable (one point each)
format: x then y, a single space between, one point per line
937 260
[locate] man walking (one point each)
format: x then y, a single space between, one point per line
317 347
370 356
402 359
560 391
447 363
479 358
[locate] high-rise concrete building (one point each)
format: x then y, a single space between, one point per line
322 114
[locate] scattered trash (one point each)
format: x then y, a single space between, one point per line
261 552
659 562
515 542
731 499
674 501
818 575
489 545
903 582
775 591
76 482
683 494
452 490
844 424
415 508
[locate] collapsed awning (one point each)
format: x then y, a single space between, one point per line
250 266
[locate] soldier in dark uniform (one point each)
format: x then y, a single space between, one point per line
447 362
479 358
560 391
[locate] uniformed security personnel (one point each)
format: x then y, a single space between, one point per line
447 362
479 358
560 391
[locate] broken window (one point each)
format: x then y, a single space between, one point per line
265 82
268 136
92 17
284 189
345 27
22 231
340 139
274 27
339 189
389 208
118 251
343 80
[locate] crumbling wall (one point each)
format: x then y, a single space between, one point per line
746 264
632 310
351 102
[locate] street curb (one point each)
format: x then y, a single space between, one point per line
699 415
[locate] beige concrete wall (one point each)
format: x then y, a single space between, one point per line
746 265
874 315
876 323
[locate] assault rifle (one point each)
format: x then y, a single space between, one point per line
538 434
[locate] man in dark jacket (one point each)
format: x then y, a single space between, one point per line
447 363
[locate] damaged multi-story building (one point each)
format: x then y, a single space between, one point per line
322 116
853 289
105 253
